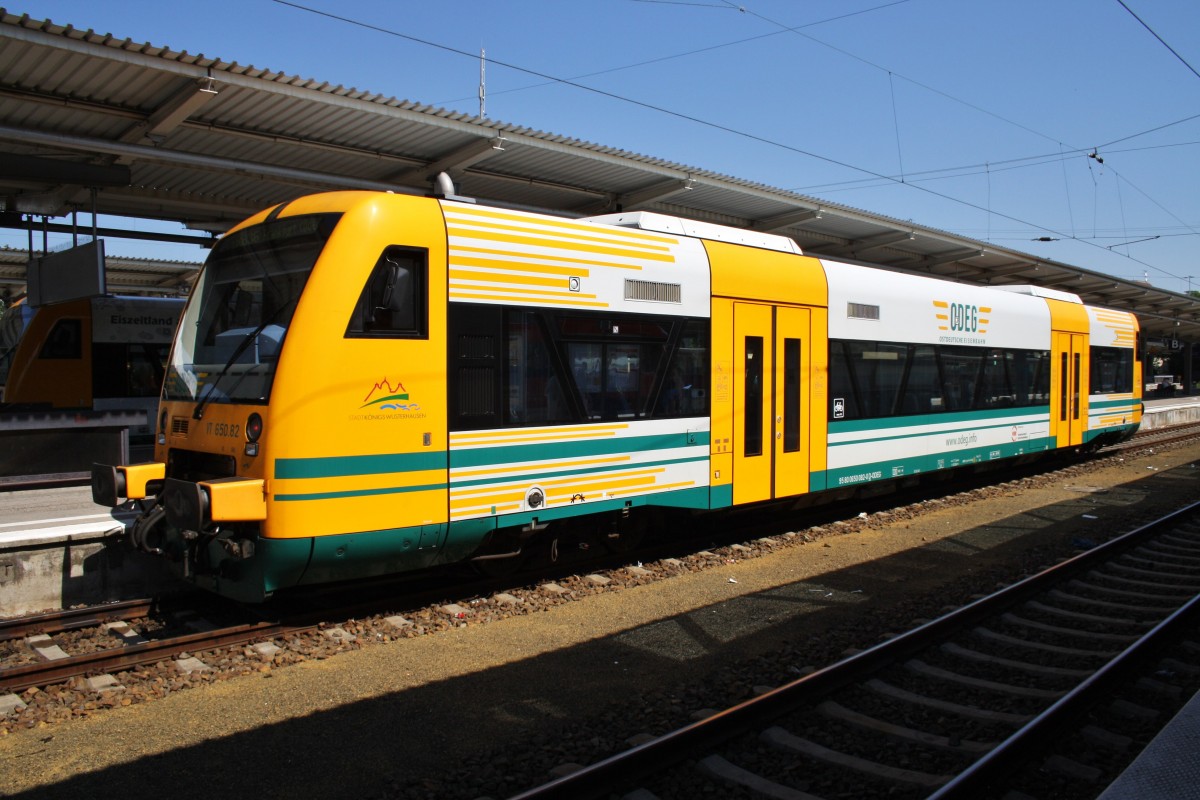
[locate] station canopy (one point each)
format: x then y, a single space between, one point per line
93 123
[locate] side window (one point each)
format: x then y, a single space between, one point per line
616 362
514 367
536 394
65 340
474 376
685 392
394 301
870 380
961 368
1111 370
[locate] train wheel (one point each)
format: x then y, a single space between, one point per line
627 533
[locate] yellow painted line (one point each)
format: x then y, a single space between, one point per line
480 215
940 304
503 299
506 278
507 486
522 292
522 256
570 484
485 511
567 240
602 247
507 266
457 475
595 486
536 433
510 497
667 487
547 438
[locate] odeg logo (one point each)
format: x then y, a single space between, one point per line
964 318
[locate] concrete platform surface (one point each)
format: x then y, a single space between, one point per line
1168 769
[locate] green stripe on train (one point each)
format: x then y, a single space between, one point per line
1129 403
346 466
1009 413
897 468
562 450
428 487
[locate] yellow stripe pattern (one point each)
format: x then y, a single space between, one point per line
510 256
500 488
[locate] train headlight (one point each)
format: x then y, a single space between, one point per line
162 427
254 429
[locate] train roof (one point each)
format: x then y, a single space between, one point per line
662 223
1041 291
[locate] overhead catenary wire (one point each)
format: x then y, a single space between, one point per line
1160 39
716 125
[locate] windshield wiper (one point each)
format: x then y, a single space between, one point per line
210 388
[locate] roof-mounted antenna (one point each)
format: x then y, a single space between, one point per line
443 187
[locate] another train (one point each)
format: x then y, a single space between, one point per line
101 353
368 383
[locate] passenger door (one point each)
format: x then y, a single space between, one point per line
772 354
1069 384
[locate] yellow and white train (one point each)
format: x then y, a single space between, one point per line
367 383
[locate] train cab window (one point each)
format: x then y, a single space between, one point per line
65 340
121 369
394 301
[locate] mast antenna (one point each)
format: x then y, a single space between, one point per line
482 83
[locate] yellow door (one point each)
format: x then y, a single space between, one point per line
1069 382
771 407
791 401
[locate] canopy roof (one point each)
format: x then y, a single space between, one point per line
90 122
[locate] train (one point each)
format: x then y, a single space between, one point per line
365 384
105 353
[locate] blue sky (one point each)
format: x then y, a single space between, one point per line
971 116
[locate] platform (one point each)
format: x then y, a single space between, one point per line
55 552
1168 768
1163 412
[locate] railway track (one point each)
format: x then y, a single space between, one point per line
119 647
1154 438
970 705
75 618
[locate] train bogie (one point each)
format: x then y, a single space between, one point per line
366 384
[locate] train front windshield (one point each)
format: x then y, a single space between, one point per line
230 337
